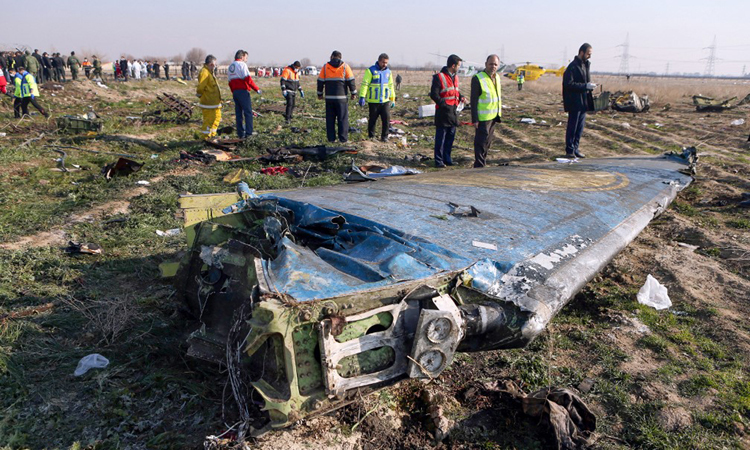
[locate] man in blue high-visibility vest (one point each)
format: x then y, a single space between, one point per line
377 91
26 91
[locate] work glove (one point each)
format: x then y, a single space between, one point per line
393 105
361 101
284 93
354 95
32 96
259 92
320 96
590 86
302 93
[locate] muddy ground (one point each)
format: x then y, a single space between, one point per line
669 379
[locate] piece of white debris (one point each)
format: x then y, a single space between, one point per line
654 294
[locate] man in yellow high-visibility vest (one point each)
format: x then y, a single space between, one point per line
486 107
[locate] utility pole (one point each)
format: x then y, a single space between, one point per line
743 70
711 60
666 71
625 56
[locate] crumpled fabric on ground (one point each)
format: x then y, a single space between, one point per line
571 420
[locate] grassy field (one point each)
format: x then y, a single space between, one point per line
673 379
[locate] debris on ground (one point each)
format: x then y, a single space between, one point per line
373 172
26 312
75 248
709 104
175 110
143 183
463 211
426 111
236 176
170 232
654 294
296 154
210 156
418 158
738 122
92 361
745 203
276 170
603 101
225 144
82 123
631 102
571 420
528 120
122 167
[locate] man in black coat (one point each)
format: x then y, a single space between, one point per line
446 98
124 67
577 99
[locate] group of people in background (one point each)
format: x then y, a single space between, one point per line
46 67
138 69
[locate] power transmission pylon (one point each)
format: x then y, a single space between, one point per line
711 60
666 71
625 56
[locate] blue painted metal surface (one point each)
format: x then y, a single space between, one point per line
401 228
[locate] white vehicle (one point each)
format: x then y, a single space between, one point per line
311 70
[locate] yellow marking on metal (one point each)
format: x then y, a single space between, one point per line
525 179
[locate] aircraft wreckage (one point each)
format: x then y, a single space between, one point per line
314 296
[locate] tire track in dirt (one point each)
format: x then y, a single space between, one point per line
520 139
624 137
59 236
608 143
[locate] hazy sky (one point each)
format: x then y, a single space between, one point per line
541 31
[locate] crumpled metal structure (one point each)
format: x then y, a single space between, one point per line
346 289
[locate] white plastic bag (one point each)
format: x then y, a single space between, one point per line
654 294
92 361
737 122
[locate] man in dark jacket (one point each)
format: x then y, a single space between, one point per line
40 78
124 68
60 67
336 81
577 99
444 92
47 65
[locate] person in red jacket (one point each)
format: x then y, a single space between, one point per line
240 83
3 83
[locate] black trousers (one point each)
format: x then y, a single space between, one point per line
291 100
21 106
382 111
40 76
482 141
337 113
60 73
576 122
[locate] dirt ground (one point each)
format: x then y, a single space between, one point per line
670 379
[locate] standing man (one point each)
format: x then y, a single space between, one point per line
26 91
486 107
577 99
398 82
377 90
157 70
40 73
86 68
521 78
124 68
185 71
289 87
444 92
74 65
97 68
335 79
60 67
31 64
48 70
166 70
210 98
193 70
240 83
